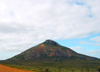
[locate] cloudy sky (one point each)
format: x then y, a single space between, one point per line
72 23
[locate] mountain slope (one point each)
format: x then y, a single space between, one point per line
53 56
49 49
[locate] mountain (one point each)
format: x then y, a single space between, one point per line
53 56
50 49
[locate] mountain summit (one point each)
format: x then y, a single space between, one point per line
51 42
49 50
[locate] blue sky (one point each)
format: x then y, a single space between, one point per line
84 46
71 23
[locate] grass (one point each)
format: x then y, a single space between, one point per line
55 66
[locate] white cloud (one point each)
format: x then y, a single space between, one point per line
33 21
84 42
93 53
77 48
4 56
95 39
96 44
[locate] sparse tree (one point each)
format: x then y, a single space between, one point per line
87 70
81 70
72 70
98 69
59 70
47 70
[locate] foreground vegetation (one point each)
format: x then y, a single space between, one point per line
56 66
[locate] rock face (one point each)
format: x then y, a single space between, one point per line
49 49
51 42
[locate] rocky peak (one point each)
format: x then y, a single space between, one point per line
50 42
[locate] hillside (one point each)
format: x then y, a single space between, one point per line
53 56
50 49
